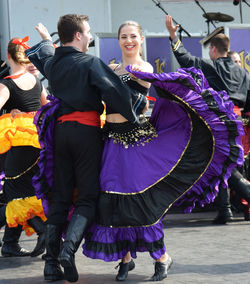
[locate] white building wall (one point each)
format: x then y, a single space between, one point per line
25 14
19 17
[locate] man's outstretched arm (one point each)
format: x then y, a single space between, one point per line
184 58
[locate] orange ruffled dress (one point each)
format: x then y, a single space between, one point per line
20 131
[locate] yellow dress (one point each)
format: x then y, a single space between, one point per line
20 131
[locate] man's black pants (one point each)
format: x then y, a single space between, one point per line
77 162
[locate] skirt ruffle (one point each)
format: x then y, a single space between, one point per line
45 121
190 87
198 145
111 244
19 131
19 211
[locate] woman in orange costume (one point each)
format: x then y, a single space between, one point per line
22 95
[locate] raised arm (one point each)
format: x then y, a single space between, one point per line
42 52
171 27
184 58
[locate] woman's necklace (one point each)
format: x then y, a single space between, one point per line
15 76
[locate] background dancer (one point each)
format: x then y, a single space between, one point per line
80 82
235 56
240 179
22 92
218 71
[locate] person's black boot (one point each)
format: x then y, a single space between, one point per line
161 269
240 185
38 225
10 245
225 214
124 268
74 236
52 269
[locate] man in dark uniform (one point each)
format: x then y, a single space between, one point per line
80 82
222 73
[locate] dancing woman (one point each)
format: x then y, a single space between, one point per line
130 40
22 94
181 155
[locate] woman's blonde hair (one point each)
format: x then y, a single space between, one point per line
16 51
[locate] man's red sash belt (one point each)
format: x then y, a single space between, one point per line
91 118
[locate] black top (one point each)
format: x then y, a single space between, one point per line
80 81
221 74
138 93
24 100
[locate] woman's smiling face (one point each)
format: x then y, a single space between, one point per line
130 39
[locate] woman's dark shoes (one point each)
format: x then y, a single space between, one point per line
13 249
161 269
223 217
124 268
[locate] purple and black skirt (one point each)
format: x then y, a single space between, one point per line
186 150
